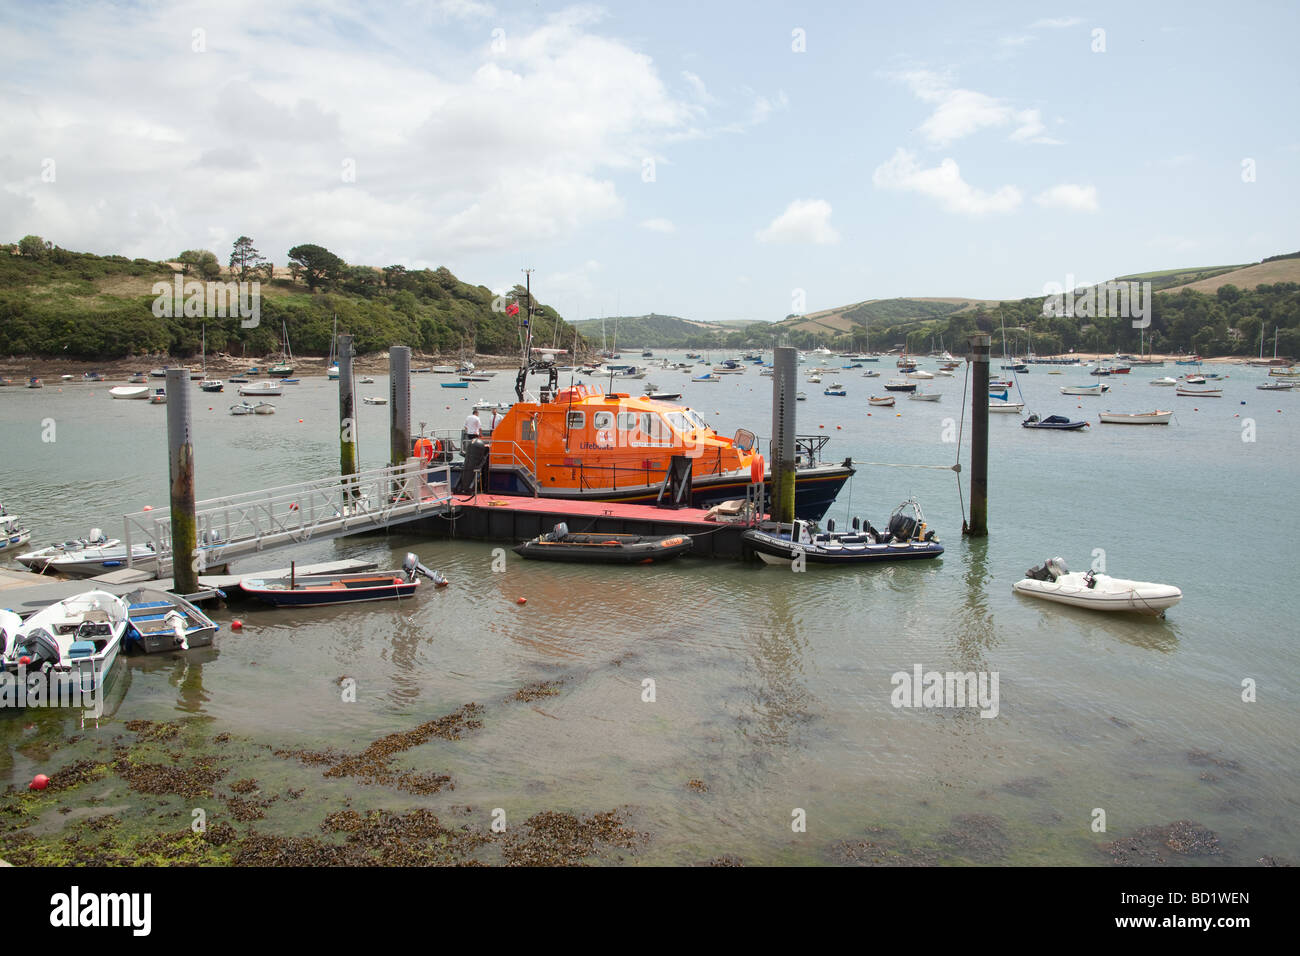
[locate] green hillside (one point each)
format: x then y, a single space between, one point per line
1168 278
658 331
80 305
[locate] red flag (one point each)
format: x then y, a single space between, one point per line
512 308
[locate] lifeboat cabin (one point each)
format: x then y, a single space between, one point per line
591 445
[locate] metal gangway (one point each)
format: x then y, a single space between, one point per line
255 521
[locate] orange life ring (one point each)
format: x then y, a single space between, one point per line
424 450
756 468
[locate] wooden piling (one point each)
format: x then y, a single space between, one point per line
347 410
979 437
399 404
785 387
180 461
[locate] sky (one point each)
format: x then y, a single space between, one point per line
708 160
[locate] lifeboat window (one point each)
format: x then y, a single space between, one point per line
655 428
602 420
679 422
527 430
576 421
627 421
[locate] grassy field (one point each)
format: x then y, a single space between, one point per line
1247 277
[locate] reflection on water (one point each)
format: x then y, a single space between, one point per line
773 687
975 634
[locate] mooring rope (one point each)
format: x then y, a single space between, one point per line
897 464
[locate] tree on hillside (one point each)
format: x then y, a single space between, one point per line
203 262
244 258
34 247
393 276
319 265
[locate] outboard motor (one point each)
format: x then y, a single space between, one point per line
97 536
41 647
1049 570
412 566
559 532
902 527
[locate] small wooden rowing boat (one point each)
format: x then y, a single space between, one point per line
886 402
1137 418
161 621
315 590
1199 392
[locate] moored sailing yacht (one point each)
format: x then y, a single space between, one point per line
285 367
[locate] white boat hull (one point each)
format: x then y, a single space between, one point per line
130 392
1108 594
1146 418
1007 408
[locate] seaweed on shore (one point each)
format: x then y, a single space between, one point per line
372 765
1153 845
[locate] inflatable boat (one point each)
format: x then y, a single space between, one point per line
905 537
1053 581
601 548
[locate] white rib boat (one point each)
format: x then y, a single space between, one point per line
262 389
1166 381
1006 408
1100 592
1137 418
130 391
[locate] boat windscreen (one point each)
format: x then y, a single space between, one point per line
679 421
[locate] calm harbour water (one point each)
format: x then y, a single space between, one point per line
772 688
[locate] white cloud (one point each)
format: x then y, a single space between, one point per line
700 91
944 184
804 220
763 107
959 113
456 147
658 225
1069 196
1055 23
465 9
1020 40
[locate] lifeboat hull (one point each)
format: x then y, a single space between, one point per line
815 489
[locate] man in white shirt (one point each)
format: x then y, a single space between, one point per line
473 427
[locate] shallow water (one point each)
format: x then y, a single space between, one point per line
772 689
